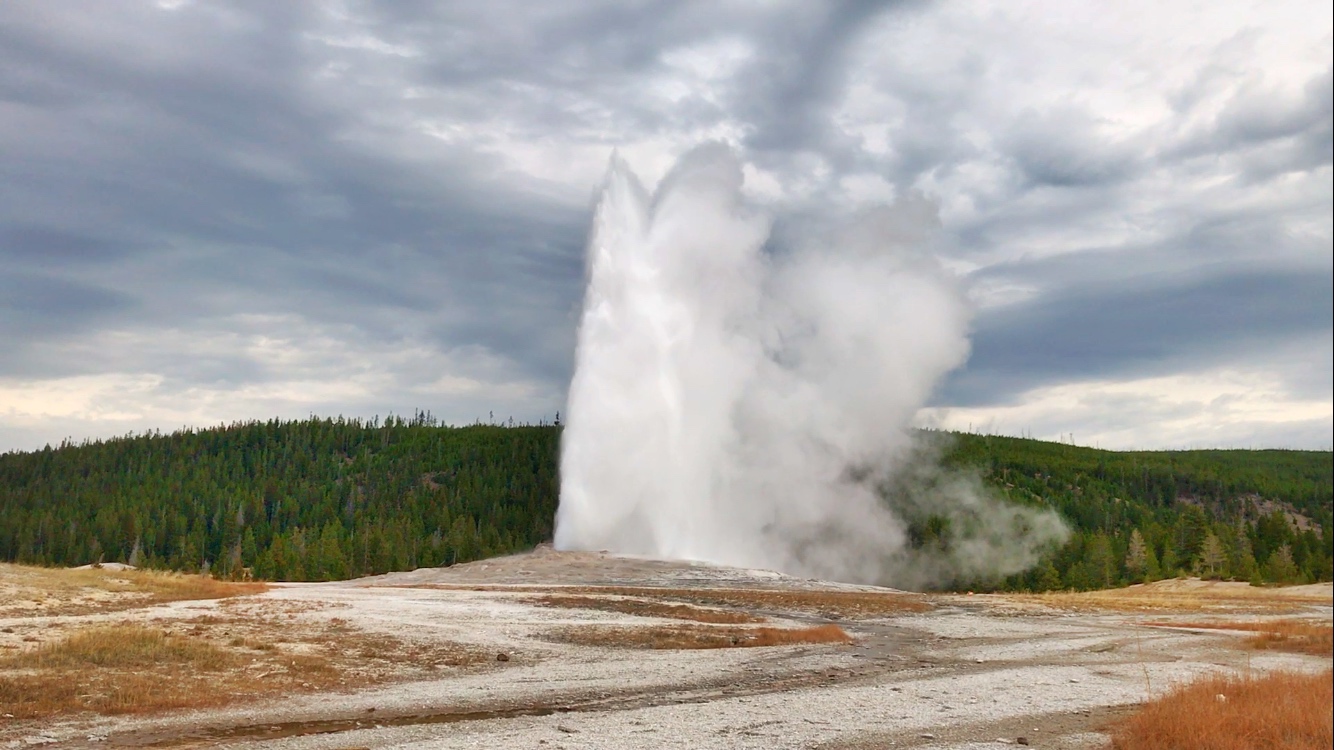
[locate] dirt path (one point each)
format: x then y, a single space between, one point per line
965 672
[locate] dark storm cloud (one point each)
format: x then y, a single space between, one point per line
1255 115
1202 301
1062 148
1271 132
33 306
565 55
363 178
787 92
209 154
1139 327
52 246
222 182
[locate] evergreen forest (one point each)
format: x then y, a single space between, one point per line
324 499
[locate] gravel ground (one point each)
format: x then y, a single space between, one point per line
972 673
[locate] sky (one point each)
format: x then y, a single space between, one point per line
215 211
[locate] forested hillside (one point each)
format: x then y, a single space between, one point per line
321 499
1257 515
310 500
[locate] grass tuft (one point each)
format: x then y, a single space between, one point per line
208 661
644 608
112 669
824 603
123 647
1292 636
1176 596
1296 636
699 636
1279 710
172 587
796 636
31 590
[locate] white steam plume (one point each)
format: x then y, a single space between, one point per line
738 407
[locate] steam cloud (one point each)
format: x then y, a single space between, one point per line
748 408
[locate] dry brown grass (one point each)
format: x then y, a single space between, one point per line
1280 711
30 590
113 669
166 586
208 661
796 636
1174 596
647 608
851 604
1292 636
1298 637
122 647
699 636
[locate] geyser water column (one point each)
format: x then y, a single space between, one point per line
738 407
661 362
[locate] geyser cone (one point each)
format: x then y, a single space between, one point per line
730 407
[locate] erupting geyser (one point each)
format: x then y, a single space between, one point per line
751 408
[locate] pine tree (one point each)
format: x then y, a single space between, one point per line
1049 579
1280 567
1189 533
1168 563
1152 571
1244 566
1213 558
1137 555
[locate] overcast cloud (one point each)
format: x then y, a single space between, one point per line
227 210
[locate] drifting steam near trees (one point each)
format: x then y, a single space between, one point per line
751 408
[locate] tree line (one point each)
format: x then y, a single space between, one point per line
323 499
317 499
1262 516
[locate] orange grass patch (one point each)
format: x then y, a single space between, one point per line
113 669
796 636
172 587
1174 596
851 604
32 590
1280 710
1293 636
209 661
644 608
699 636
841 603
122 647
